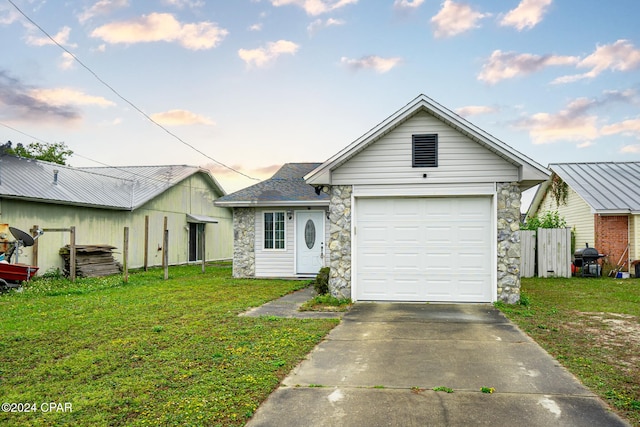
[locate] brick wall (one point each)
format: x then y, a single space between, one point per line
612 237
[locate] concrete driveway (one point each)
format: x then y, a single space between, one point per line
380 365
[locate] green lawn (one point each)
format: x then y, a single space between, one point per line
592 326
150 352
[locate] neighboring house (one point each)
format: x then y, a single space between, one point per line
423 207
100 202
602 206
280 225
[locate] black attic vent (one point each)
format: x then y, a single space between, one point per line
425 151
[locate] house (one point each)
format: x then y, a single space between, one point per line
602 206
423 207
280 225
100 202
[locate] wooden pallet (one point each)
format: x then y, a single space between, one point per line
92 260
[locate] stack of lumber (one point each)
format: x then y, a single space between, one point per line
91 260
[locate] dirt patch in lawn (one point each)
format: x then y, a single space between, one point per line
618 334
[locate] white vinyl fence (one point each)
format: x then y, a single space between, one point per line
553 247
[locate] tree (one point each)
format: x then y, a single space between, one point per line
55 153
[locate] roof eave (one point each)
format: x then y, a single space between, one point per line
530 170
267 203
67 203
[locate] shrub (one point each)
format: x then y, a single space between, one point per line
321 284
548 220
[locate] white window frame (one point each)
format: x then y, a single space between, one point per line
274 239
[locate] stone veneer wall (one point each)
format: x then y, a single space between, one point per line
509 201
340 246
244 232
508 225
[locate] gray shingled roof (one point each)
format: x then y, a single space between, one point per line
608 187
285 187
122 188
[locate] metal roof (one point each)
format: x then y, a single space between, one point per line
608 187
122 188
285 187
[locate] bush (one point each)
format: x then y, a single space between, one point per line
321 284
548 220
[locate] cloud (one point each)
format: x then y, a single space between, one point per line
474 110
631 149
526 15
629 127
455 18
19 102
262 56
181 118
8 16
315 7
619 56
162 27
62 37
576 122
100 8
66 61
372 62
66 96
255 27
507 65
180 4
407 4
319 24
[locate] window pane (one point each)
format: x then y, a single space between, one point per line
268 230
279 230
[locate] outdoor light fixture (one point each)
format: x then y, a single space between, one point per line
290 214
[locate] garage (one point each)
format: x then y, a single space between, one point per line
424 249
425 206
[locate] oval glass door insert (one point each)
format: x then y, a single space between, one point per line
310 234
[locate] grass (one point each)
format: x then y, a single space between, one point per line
592 327
150 352
326 302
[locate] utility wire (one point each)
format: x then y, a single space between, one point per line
121 168
125 99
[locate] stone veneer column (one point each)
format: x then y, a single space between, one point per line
340 246
244 232
509 201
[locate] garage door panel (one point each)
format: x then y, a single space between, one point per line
424 249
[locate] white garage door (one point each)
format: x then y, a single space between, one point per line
424 249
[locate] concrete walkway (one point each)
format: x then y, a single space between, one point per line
380 365
288 306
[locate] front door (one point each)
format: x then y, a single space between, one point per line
309 241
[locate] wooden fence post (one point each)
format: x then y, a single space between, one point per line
72 254
125 254
164 244
165 254
203 247
146 242
34 248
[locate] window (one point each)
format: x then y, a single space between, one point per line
425 151
274 230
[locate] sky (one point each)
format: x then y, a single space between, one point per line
244 86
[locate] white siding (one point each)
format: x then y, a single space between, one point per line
460 159
576 212
278 262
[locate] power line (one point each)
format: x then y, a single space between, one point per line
121 169
125 99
